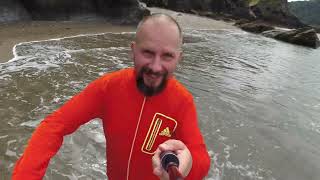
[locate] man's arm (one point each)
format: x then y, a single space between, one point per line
189 133
189 147
48 136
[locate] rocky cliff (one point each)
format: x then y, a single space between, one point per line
117 11
12 10
275 11
307 11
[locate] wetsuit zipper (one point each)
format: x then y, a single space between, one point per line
134 137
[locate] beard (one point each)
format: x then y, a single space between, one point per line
147 90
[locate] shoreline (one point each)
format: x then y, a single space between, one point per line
15 33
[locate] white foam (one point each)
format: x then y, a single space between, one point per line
8 151
69 37
209 29
16 57
97 168
72 176
75 51
11 153
5 76
2 137
31 123
56 100
244 170
315 126
99 138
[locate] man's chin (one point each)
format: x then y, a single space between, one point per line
154 84
150 88
149 83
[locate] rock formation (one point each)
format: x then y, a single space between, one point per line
12 10
120 11
306 11
303 36
275 11
255 27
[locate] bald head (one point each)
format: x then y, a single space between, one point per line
161 23
156 52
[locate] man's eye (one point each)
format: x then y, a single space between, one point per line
168 56
147 53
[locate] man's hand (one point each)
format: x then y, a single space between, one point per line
182 153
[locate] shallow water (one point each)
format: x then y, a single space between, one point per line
258 102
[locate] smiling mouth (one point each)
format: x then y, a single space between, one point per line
151 83
153 76
152 79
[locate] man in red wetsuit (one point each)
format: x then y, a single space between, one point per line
144 111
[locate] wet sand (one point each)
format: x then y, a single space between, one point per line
11 34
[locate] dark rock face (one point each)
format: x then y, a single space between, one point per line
180 5
276 11
156 3
270 10
303 36
120 11
58 9
306 11
12 10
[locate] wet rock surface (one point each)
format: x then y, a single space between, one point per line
255 27
303 36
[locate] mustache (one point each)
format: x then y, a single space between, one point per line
150 91
149 71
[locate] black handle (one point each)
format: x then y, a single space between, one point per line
170 163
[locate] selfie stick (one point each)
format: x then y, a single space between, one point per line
170 163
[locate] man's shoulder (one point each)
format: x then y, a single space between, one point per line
117 75
114 79
179 90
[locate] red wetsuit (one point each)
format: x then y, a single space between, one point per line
134 126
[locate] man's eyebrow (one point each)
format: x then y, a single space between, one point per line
147 50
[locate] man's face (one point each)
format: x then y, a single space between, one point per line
156 54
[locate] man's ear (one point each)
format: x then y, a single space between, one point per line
180 56
132 45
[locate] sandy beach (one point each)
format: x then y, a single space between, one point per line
11 34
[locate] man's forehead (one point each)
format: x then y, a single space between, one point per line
159 19
158 27
149 45
160 24
152 39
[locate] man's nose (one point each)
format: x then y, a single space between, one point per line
156 65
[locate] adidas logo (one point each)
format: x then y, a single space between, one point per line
165 132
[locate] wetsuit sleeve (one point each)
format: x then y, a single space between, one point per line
48 136
190 134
